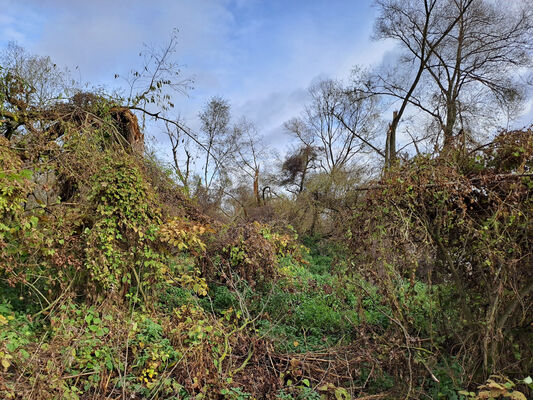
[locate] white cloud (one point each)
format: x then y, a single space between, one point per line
261 60
13 27
101 36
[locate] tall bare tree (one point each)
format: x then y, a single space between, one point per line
474 67
460 52
218 139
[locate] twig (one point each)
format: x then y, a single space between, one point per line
430 185
82 374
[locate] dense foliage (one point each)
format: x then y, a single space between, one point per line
115 284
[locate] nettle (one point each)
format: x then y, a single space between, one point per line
90 335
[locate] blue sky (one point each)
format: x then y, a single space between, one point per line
259 54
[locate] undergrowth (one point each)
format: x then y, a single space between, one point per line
113 284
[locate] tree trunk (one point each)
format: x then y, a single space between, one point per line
392 140
256 187
390 144
304 172
451 118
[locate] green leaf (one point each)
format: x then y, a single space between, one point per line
26 174
25 355
341 394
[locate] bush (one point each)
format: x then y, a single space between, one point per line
462 229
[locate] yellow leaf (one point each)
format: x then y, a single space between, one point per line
493 385
516 395
6 364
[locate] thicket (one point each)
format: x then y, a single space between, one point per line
113 284
457 230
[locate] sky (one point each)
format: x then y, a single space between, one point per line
261 55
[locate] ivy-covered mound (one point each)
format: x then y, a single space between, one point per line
91 245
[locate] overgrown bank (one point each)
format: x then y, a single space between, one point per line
115 285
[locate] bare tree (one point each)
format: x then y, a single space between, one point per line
249 154
158 78
336 124
481 56
180 146
460 51
28 84
43 80
156 83
218 140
